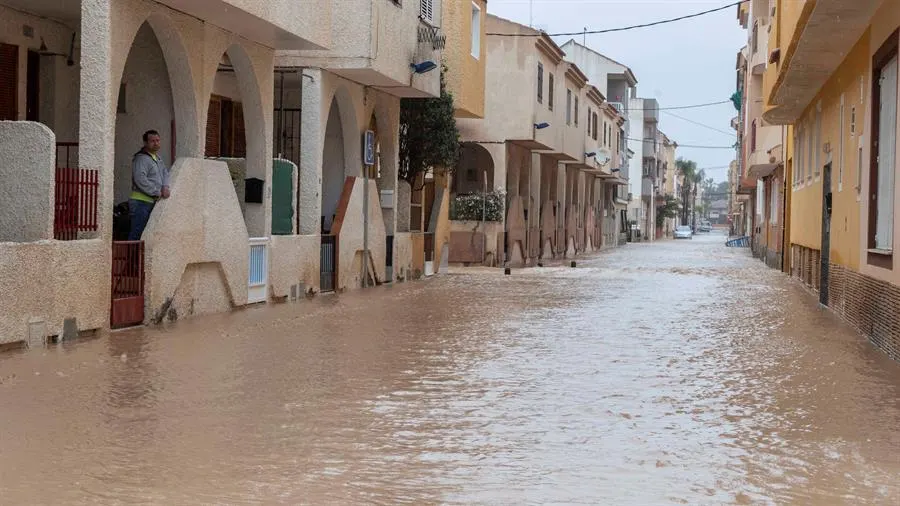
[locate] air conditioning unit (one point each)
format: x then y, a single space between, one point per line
630 196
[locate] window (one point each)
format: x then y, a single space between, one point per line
773 204
841 146
818 146
540 84
753 137
852 121
798 163
476 31
568 107
884 146
9 82
551 93
605 134
596 123
589 116
810 155
576 111
426 10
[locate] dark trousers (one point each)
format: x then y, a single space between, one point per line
139 211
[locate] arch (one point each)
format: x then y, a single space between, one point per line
256 162
474 161
341 155
350 127
181 78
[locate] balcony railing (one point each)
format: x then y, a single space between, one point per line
258 282
75 195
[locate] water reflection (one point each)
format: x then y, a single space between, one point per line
681 373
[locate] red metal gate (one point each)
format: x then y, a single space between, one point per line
127 306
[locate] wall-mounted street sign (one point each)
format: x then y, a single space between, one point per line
369 148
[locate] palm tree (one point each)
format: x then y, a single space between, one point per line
698 179
688 171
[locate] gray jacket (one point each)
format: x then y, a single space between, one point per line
148 176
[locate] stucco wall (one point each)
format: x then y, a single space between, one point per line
27 152
349 228
466 73
375 45
466 242
199 226
884 22
294 260
403 256
148 105
58 94
806 209
52 281
510 86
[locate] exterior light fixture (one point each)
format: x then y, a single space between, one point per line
541 126
425 66
591 154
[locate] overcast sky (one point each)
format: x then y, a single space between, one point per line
682 63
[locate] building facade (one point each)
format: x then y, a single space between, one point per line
541 143
264 109
841 157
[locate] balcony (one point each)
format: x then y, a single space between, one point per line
650 148
759 50
375 45
831 27
280 24
651 110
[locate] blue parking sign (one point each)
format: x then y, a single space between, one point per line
369 148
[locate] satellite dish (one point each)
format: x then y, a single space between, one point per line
603 156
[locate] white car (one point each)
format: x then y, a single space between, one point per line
683 232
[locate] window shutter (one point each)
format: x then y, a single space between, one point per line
9 78
214 127
887 147
427 10
240 136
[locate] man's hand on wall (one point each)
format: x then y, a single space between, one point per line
164 193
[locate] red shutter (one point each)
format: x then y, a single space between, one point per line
213 127
240 136
9 78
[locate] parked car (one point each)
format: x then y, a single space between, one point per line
705 226
683 232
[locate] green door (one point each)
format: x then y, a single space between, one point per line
282 197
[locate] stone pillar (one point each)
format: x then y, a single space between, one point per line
311 139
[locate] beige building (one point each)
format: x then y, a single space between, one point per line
671 185
534 144
235 88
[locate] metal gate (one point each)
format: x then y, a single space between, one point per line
127 305
328 263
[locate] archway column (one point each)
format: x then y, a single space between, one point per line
312 138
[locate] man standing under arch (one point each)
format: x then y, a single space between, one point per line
149 183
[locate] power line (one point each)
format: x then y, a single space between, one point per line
624 28
680 145
714 129
694 106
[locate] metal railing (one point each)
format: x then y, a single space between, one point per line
258 283
327 263
76 192
127 294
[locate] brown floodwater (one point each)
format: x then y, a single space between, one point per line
673 373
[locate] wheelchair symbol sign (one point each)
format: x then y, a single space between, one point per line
369 148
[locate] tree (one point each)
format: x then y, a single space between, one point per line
428 134
669 209
688 171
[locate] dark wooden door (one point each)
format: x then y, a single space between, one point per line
9 82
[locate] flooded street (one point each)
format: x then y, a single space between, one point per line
672 373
